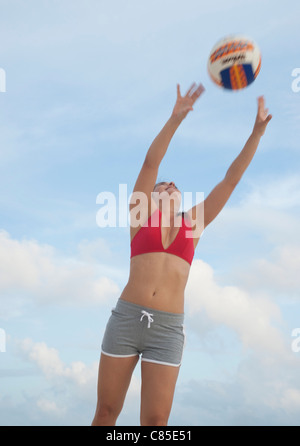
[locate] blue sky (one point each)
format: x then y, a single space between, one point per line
88 87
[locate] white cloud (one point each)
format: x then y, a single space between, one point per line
72 385
267 212
275 193
258 238
46 358
50 408
279 274
290 400
89 251
68 392
30 270
249 316
264 391
265 226
48 361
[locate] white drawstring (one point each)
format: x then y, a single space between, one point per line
145 313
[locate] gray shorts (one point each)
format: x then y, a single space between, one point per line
134 330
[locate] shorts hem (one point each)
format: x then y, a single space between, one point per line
161 362
119 356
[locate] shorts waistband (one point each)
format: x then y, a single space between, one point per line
131 308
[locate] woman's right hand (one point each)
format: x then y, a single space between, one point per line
262 117
184 104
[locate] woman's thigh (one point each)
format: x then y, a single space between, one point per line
113 381
158 387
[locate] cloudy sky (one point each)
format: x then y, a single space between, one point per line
88 87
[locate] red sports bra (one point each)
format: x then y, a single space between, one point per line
148 239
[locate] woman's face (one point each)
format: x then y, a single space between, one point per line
166 186
170 189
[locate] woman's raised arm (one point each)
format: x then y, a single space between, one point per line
148 174
218 197
184 104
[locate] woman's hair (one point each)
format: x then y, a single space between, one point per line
160 182
157 184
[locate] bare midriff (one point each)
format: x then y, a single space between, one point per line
157 280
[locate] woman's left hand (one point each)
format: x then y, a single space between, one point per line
184 104
262 117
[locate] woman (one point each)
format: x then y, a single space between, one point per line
148 318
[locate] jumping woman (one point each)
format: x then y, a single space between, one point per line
149 315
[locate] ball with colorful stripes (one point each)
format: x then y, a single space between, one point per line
234 62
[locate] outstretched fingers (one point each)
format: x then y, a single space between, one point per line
195 91
262 111
260 105
188 93
178 91
184 104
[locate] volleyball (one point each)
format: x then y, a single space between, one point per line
234 62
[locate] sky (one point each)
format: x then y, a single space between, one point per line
88 86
